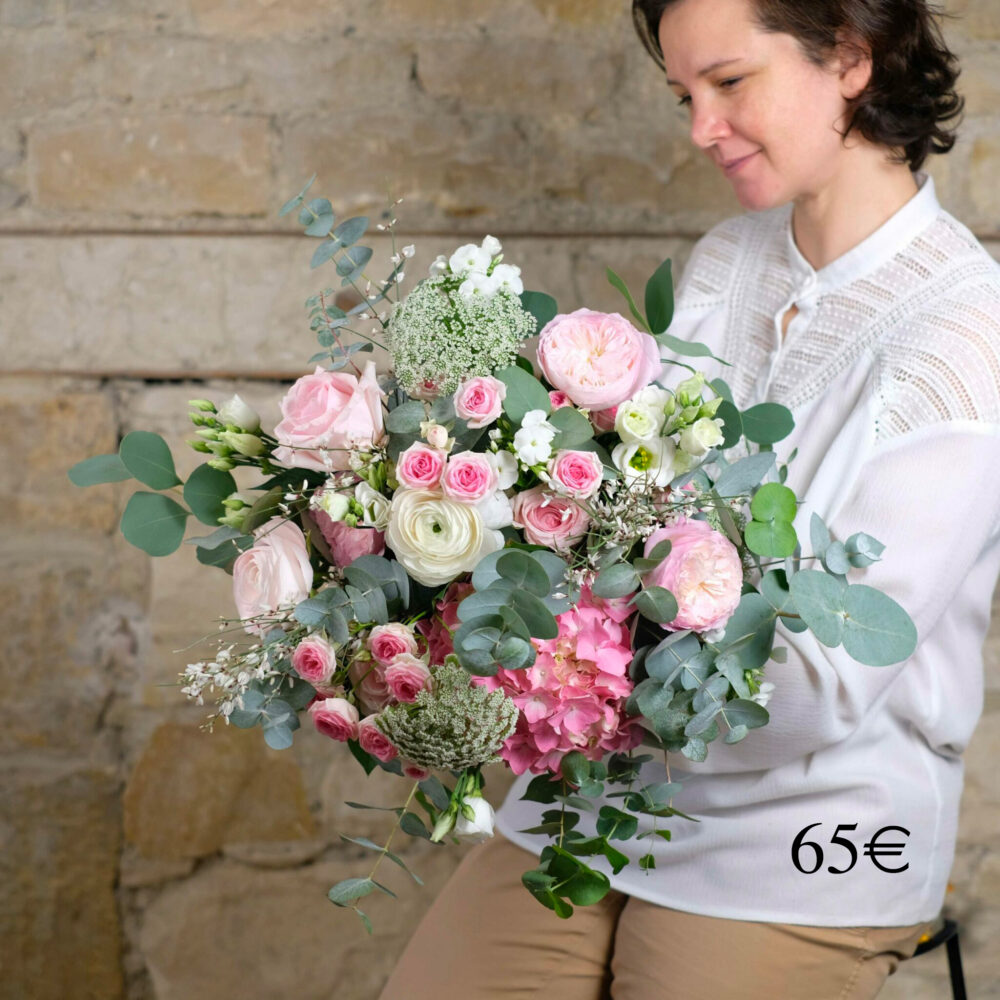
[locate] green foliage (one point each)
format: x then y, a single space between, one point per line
742 476
617 580
619 283
147 457
543 307
767 423
154 523
99 469
524 393
575 430
660 298
771 533
204 492
657 604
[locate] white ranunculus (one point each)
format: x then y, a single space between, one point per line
478 829
648 463
437 539
701 435
376 506
509 276
235 412
492 245
506 465
470 258
496 510
636 422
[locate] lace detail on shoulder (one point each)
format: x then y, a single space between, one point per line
708 276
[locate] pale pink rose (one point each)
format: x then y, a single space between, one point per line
325 415
549 519
469 477
374 741
315 660
274 573
406 677
368 682
703 571
386 642
416 771
479 401
598 359
580 472
604 420
336 718
558 399
420 467
347 543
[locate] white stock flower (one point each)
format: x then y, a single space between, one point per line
509 276
236 412
480 827
492 245
701 435
648 463
533 442
468 258
637 422
506 465
496 510
436 539
477 284
376 506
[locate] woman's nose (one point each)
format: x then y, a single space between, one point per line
707 126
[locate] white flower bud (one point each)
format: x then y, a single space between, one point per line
239 414
480 826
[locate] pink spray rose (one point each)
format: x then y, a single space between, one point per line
274 573
579 472
703 571
386 642
420 467
469 477
325 415
416 771
437 630
336 718
479 401
368 682
598 359
549 519
315 660
406 676
374 741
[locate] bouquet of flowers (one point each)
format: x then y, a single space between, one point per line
467 559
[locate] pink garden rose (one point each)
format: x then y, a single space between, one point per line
479 401
386 642
274 573
336 718
315 660
703 571
407 676
549 519
368 682
579 472
374 741
347 543
325 415
420 467
469 477
558 399
598 359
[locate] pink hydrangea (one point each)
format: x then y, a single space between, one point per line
573 696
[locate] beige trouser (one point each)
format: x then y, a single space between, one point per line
486 938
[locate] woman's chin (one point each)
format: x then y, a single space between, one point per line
755 198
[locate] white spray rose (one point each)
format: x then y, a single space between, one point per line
701 435
480 827
239 414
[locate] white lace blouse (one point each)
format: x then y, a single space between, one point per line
891 368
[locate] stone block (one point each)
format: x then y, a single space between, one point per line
154 165
40 72
58 868
264 18
28 13
984 192
979 18
192 792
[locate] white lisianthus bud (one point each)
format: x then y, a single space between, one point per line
239 414
636 422
335 505
690 389
492 245
508 276
703 434
439 266
243 444
469 258
375 505
479 827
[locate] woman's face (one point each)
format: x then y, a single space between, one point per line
763 113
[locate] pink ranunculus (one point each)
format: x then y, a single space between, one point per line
549 519
558 399
579 472
479 400
374 741
437 630
598 359
386 642
336 718
325 415
703 571
274 573
347 543
368 682
604 420
469 477
407 676
315 660
420 467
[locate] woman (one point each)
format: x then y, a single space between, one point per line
850 296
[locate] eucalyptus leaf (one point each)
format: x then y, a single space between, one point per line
147 457
524 393
205 490
660 298
574 428
742 476
619 283
835 559
154 523
293 203
820 600
542 306
767 423
616 580
99 469
657 604
863 550
523 571
877 630
351 230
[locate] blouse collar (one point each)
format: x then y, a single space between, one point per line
894 234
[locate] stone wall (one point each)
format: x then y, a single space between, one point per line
145 146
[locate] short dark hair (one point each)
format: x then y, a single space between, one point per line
911 95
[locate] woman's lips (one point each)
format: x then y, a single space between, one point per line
734 166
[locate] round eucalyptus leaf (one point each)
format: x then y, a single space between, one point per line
539 620
204 492
278 737
485 573
863 550
732 423
820 600
835 558
657 604
773 502
744 712
819 534
99 469
486 602
767 423
523 572
877 631
771 538
749 632
574 428
616 580
524 393
515 653
147 457
154 523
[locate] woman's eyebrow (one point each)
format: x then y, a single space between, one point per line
708 69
